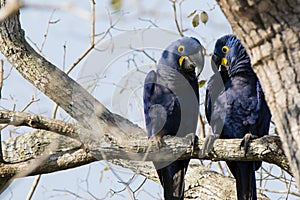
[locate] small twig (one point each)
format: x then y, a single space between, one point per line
64 56
69 192
34 44
288 189
278 191
84 54
32 100
145 53
175 18
148 20
9 73
1 77
92 42
93 23
269 174
201 125
220 168
47 30
261 177
140 186
33 187
54 111
1 84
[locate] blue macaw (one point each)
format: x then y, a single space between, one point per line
171 106
235 107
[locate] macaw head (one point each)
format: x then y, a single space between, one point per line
184 55
230 54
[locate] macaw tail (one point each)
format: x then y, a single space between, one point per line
172 179
244 174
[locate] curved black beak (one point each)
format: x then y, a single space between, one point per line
193 61
218 63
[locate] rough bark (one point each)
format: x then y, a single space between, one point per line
38 122
270 31
266 149
43 151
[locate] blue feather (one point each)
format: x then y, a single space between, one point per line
171 107
235 106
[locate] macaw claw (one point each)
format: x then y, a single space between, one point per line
156 141
208 145
245 142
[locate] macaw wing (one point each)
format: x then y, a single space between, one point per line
160 106
207 102
249 108
215 102
264 119
148 96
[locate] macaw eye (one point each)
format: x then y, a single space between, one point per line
180 49
225 49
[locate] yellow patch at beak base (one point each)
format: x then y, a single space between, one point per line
181 59
224 61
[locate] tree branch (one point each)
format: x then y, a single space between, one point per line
39 157
38 122
268 148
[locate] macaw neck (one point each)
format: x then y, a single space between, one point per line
168 68
176 80
168 75
240 65
171 75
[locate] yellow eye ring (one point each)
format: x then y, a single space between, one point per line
225 49
180 49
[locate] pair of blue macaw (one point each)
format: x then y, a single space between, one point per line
235 106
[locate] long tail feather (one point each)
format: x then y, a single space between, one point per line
172 179
244 174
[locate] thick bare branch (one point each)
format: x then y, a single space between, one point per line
266 149
69 154
38 122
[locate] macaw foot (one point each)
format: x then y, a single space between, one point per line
245 142
193 138
208 145
156 141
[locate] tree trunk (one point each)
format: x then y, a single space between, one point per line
270 31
